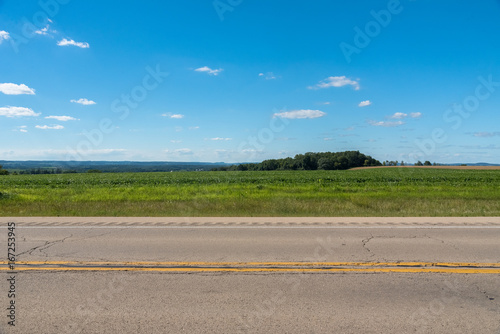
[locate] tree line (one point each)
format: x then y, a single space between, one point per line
309 161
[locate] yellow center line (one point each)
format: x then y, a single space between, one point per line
194 266
242 269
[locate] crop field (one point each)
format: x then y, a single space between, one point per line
369 192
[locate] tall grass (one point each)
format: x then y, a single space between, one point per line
372 192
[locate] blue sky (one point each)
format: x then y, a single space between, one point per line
240 80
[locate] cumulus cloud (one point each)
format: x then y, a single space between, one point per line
67 42
209 71
22 128
4 35
268 76
62 118
364 103
300 114
400 115
17 112
174 116
85 102
338 81
45 31
47 127
14 89
386 124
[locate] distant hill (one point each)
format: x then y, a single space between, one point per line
44 167
472 164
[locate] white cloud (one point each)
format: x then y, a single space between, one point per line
14 89
180 151
300 114
175 116
386 124
47 127
17 112
398 115
208 70
364 103
220 138
21 128
85 102
328 138
4 35
338 81
401 115
268 76
486 134
176 141
63 118
43 31
66 42
194 127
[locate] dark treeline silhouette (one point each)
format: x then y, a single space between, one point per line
309 161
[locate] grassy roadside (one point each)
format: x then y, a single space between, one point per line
371 192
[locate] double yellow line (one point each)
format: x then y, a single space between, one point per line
286 267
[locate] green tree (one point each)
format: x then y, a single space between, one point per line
3 171
326 163
94 171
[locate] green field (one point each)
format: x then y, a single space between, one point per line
372 192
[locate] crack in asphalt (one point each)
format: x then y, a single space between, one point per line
365 242
98 235
45 246
443 242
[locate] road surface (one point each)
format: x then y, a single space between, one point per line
253 275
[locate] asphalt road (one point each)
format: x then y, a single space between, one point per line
253 275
